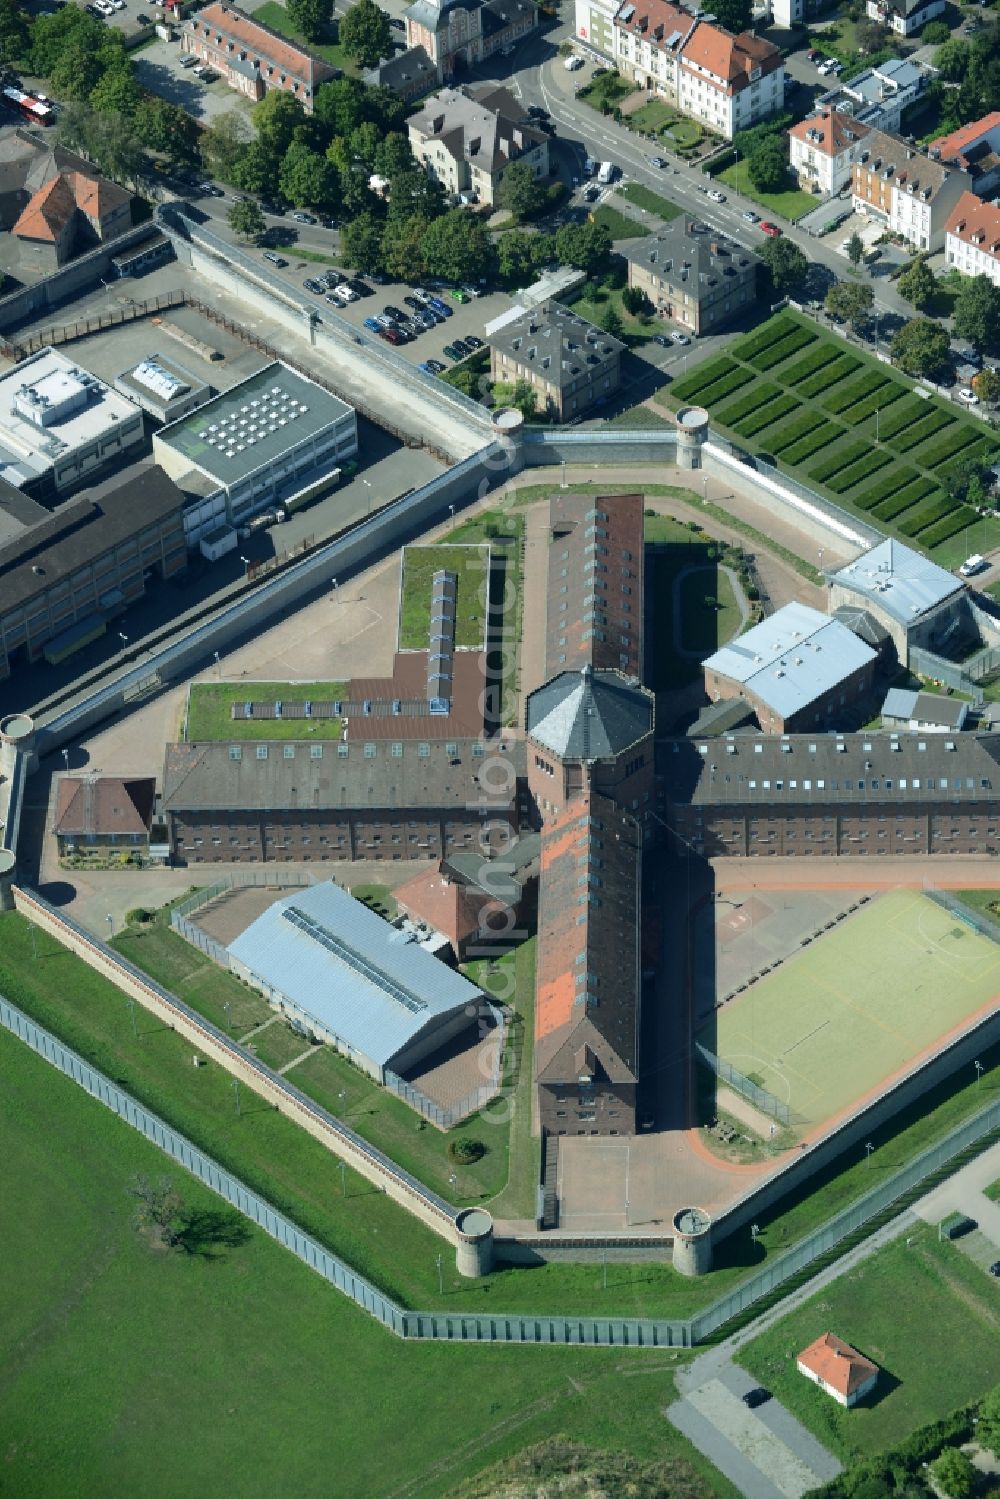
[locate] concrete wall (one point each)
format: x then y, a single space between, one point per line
34 301
812 513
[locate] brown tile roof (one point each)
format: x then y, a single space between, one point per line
829 132
655 21
408 686
908 165
731 58
571 517
103 805
48 213
971 218
445 904
951 147
837 1364
260 40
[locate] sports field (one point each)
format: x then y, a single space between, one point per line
855 1006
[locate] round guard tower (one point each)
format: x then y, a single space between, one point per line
692 434
17 737
474 1250
8 874
692 1242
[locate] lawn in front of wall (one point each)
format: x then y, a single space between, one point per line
128 1370
503 532
644 197
210 715
673 128
922 1311
471 565
710 614
791 203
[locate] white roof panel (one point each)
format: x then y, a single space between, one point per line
902 582
792 658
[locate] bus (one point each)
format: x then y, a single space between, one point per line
37 111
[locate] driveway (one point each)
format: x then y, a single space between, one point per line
964 1193
157 67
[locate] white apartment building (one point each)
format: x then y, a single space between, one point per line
910 193
648 38
787 12
904 17
972 238
729 82
823 149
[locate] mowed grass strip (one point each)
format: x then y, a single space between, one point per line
860 471
773 412
879 401
470 563
700 379
776 354
982 451
800 426
884 488
772 332
903 499
816 359
838 461
725 386
944 530
840 368
903 416
856 390
748 403
927 513
820 438
932 422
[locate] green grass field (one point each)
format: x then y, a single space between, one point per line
791 203
210 705
925 1314
471 563
705 626
127 1370
827 1027
849 427
644 197
618 225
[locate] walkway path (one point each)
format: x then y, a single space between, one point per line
739 596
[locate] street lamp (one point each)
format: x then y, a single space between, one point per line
245 561
343 1177
868 1153
122 638
236 1090
65 755
451 511
111 924
979 1072
218 666
440 1271
876 423
754 1231
704 489
562 481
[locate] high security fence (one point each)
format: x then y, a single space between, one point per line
501 1327
476 1098
952 673
199 898
986 926
759 1097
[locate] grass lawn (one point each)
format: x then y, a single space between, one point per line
637 418
680 549
657 118
209 714
618 224
379 897
993 1191
644 197
610 88
790 204
277 1044
705 626
420 563
169 959
594 302
132 1371
503 531
884 1308
276 16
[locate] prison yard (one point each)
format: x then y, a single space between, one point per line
852 429
471 565
857 1005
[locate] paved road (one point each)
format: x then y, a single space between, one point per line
964 1193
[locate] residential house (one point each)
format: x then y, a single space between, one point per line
729 82
839 1370
571 364
104 816
904 17
878 96
410 74
466 139
693 274
972 238
975 148
457 34
824 148
251 57
787 13
56 204
910 193
647 40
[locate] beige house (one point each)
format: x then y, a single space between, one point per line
911 194
468 137
251 57
457 33
823 149
571 364
693 275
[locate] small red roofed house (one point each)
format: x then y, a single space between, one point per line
451 908
972 238
840 1370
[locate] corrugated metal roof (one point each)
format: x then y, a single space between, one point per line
792 658
902 582
357 975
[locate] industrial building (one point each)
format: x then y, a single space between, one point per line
163 388
59 425
64 574
797 669
860 795
344 975
917 602
269 440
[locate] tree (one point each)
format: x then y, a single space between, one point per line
988 1429
611 321
963 475
455 246
275 120
768 165
168 129
870 36
365 33
14 33
117 91
977 310
514 257
402 246
341 104
519 191
246 219
310 17
361 243
224 142
635 301
935 34
521 394
987 386
734 15
307 179
586 246
850 300
255 170
855 248
415 193
786 262
920 347
917 284
110 141
954 1474
393 156
159 1208
364 143
952 60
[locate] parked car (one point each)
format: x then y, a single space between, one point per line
716 196
397 24
316 287
435 366
661 339
210 76
394 313
359 288
392 335
573 62
452 352
757 1396
771 230
537 112
413 302
470 290
678 337
657 161
457 294
372 325
814 54
591 194
278 260
278 210
968 396
751 217
426 319
412 327
472 342
303 218
441 307
187 61
995 1268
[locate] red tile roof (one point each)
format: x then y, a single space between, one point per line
446 905
837 132
837 1364
103 805
655 21
731 58
949 147
46 215
970 218
259 41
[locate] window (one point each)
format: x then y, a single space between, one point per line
262 752
396 751
315 752
289 751
343 750
235 752
371 750
423 751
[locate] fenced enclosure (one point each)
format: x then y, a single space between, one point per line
754 1094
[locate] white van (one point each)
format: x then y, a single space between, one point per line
607 172
973 565
573 62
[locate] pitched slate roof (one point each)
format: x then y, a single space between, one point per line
588 715
485 126
556 342
690 252
103 805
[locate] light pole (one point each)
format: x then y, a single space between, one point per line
440 1271
562 481
451 513
704 489
245 561
368 486
65 755
111 925
236 1090
868 1153
226 1012
123 638
605 1259
34 944
218 667
876 424
979 1072
342 1165
754 1231
131 1010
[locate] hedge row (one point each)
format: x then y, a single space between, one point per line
961 517
927 513
908 414
687 388
886 1472
751 425
982 450
877 402
920 431
884 488
816 359
807 446
857 390
831 465
773 330
758 397
725 386
806 421
775 353
946 447
860 471
903 499
843 366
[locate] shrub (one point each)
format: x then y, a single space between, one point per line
759 396
859 472
139 916
843 366
954 1473
724 386
904 416
846 456
783 349
466 1150
980 453
933 422
820 438
773 412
